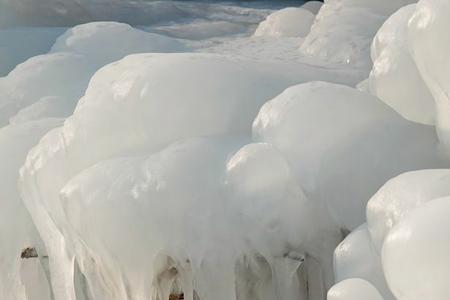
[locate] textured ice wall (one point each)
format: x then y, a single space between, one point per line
127 111
17 231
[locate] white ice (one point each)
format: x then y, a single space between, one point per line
226 151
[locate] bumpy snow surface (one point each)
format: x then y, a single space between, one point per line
207 150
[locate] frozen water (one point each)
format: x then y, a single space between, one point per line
344 29
44 76
237 171
331 134
395 78
313 6
353 289
416 250
402 194
98 42
357 257
19 44
17 231
288 22
127 97
63 75
426 27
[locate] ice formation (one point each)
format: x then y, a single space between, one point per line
288 22
357 257
85 40
251 169
353 289
16 229
130 92
394 77
12 41
426 27
43 76
344 29
415 253
313 6
401 195
331 134
62 75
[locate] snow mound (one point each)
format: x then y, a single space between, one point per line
394 77
99 41
400 195
353 289
356 257
338 140
288 22
417 248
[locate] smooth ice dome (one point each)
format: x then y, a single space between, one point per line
430 46
353 289
394 77
331 136
223 97
402 194
288 22
344 29
357 257
415 253
99 41
62 75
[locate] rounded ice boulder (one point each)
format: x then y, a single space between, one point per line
416 253
337 141
354 289
395 78
356 257
401 195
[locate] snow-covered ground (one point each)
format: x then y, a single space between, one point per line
220 150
